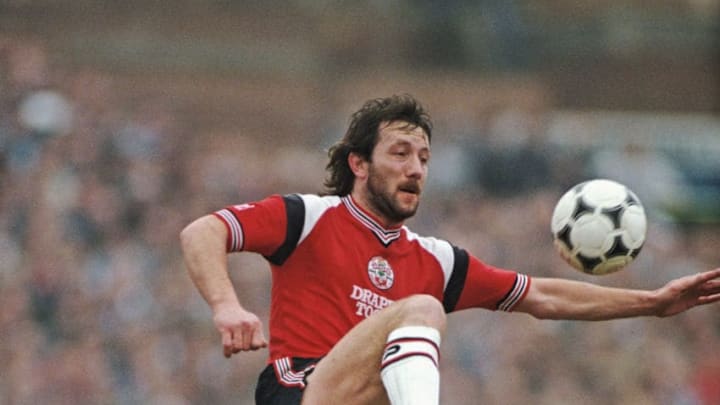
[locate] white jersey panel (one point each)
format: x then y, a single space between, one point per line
441 249
315 206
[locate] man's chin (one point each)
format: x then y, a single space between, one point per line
398 209
408 209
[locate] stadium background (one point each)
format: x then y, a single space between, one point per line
122 121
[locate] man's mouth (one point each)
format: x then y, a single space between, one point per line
410 188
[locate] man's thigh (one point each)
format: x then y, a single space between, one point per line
350 373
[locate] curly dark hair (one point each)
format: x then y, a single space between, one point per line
362 136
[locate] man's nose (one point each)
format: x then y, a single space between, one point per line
415 167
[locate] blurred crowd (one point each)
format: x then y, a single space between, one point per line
96 306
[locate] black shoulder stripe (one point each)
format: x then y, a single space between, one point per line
295 211
457 279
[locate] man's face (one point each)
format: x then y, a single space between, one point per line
397 172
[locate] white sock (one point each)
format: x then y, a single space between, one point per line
409 368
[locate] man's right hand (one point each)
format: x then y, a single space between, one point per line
240 330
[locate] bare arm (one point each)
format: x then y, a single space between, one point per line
203 246
551 298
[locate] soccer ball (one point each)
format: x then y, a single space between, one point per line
599 226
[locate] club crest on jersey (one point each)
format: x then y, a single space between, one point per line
380 273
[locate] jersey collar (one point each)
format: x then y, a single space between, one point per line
386 236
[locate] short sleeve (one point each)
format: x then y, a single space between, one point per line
492 288
255 227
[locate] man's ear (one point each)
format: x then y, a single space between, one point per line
358 165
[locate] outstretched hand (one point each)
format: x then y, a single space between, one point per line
687 292
240 330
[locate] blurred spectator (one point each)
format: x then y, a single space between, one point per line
513 159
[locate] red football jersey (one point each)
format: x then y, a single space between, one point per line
333 265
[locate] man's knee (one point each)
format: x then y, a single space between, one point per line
423 309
